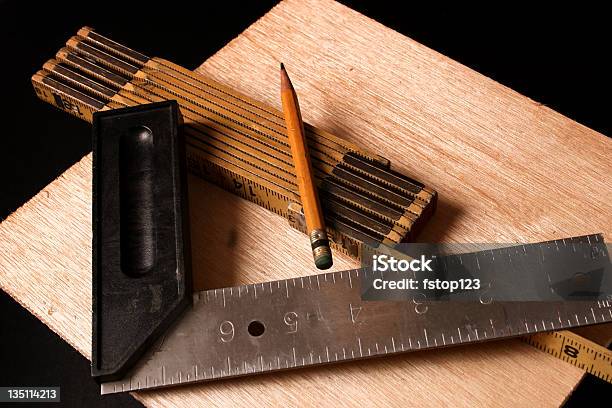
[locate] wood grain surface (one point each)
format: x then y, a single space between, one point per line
506 168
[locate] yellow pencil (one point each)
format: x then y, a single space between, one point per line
315 223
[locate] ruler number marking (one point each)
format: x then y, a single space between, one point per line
355 310
226 328
570 351
291 320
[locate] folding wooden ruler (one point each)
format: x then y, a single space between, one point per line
240 144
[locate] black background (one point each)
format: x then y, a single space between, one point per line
556 57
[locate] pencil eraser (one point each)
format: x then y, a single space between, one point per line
141 253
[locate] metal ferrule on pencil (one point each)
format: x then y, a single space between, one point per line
321 251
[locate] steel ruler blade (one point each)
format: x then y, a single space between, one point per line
321 319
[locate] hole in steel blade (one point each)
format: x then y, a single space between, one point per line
256 328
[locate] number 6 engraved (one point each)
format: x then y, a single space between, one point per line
226 329
291 320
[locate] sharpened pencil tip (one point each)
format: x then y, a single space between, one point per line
284 77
